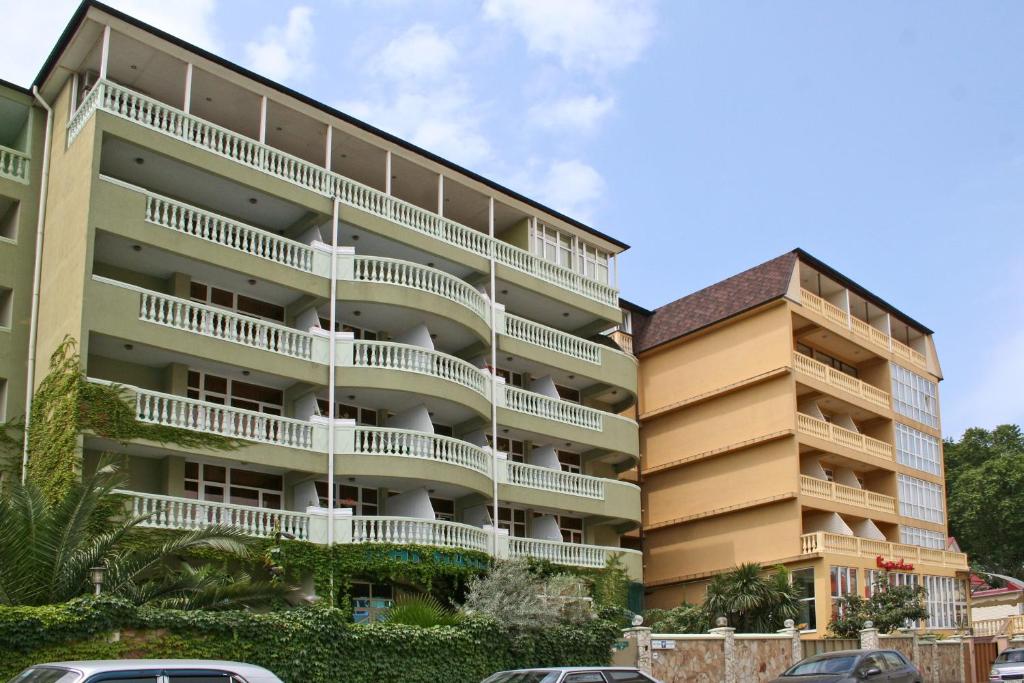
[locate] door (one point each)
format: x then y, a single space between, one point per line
898 668
984 655
874 661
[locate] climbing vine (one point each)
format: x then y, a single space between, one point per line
65 405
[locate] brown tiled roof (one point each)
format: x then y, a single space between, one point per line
722 300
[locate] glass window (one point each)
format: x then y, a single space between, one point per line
514 448
570 462
511 520
825 665
362 500
803 581
223 298
626 677
922 537
921 499
244 487
918 450
946 599
371 601
245 395
572 529
585 677
444 509
894 661
568 393
874 578
874 661
843 582
914 396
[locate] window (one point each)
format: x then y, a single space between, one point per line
946 600
444 509
243 487
568 393
514 379
8 218
233 392
46 675
874 577
570 462
827 359
626 677
843 582
922 537
918 450
515 449
366 417
874 661
6 306
362 500
442 430
571 528
357 332
569 252
585 677
921 499
894 660
511 520
371 601
594 263
915 397
223 298
803 581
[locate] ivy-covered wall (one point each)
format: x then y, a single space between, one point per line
313 645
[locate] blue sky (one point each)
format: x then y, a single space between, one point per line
886 138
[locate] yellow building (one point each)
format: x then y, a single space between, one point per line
789 416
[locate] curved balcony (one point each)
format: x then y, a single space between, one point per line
387 442
574 554
539 414
13 164
535 486
553 348
127 104
839 436
413 359
418 532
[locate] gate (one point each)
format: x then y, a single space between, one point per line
984 654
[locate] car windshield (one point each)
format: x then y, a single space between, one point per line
524 677
1011 657
830 665
45 675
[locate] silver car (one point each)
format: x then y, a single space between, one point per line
573 674
1009 666
146 671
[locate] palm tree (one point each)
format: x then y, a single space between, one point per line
48 549
751 601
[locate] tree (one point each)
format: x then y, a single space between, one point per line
752 601
48 548
889 608
985 496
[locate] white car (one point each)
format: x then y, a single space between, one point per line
146 671
573 674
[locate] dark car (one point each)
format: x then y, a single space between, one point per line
572 674
852 666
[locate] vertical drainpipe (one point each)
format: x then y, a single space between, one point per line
331 373
494 383
33 328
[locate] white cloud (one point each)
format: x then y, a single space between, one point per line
570 186
580 114
419 53
593 35
284 52
40 25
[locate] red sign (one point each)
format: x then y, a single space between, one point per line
890 565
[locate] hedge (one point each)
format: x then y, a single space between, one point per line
308 645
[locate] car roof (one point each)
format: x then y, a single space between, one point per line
570 669
92 666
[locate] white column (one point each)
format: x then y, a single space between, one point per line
440 199
74 96
328 146
263 119
387 172
188 88
105 52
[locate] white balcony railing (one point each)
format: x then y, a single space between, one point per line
548 479
170 512
556 552
156 407
555 409
13 164
383 441
843 437
823 541
407 274
419 532
827 490
219 323
839 380
861 329
156 115
409 358
552 339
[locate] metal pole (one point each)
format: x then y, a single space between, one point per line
331 374
494 383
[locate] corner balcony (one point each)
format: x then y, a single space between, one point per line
834 434
822 542
151 114
174 513
860 329
847 495
533 486
840 380
14 165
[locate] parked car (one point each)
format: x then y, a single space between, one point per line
572 674
146 671
852 666
1009 666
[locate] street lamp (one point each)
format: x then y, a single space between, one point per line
96 575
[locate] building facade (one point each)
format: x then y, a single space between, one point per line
388 333
789 416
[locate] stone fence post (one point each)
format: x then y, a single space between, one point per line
796 651
728 635
869 637
642 636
